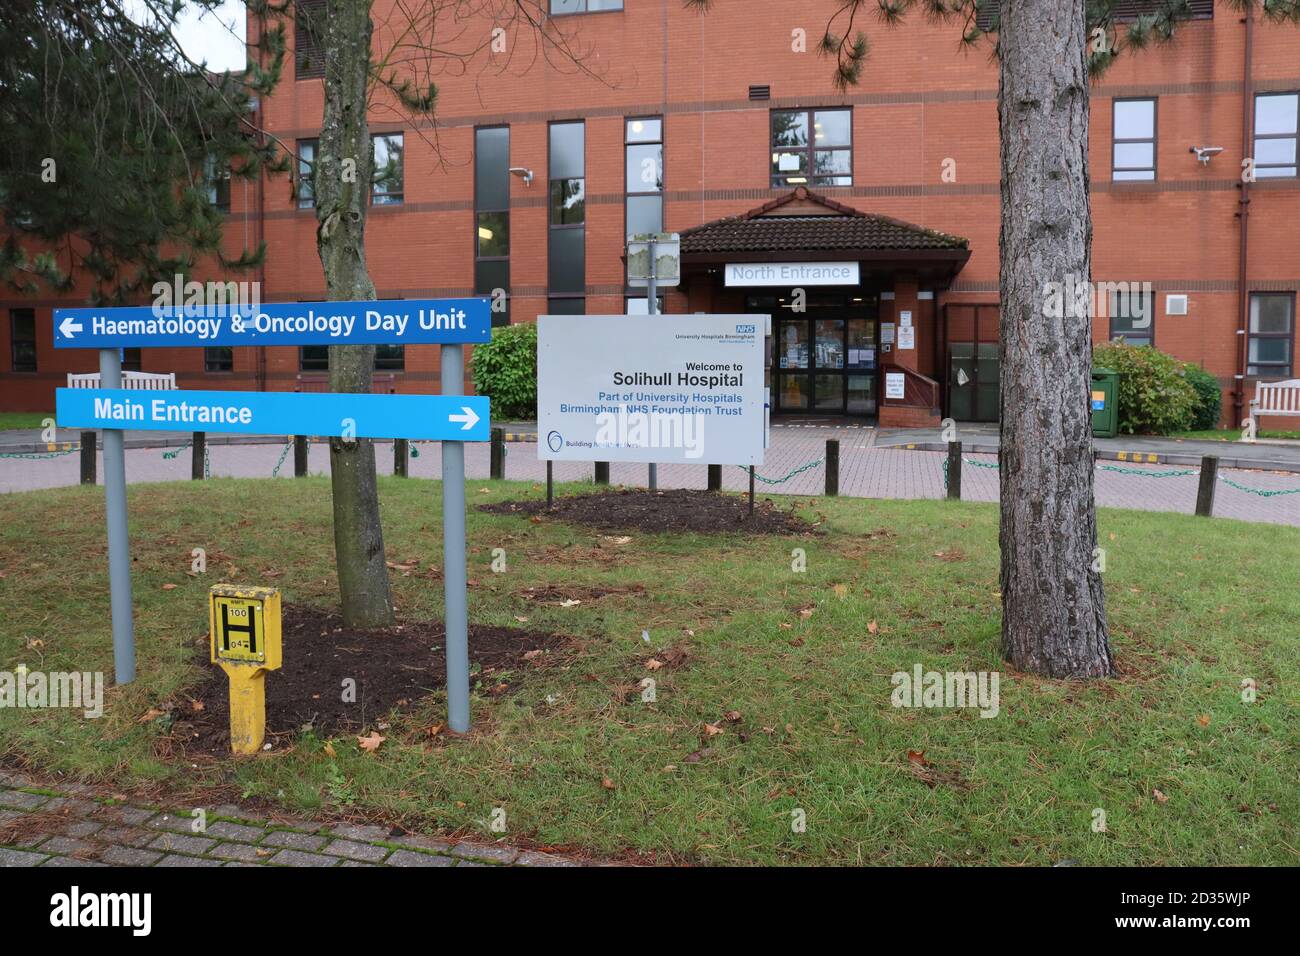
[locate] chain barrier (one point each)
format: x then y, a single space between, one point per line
275 472
178 449
207 462
1262 492
40 456
1149 474
777 481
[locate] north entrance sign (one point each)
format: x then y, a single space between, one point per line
423 417
383 322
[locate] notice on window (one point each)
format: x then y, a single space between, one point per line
886 333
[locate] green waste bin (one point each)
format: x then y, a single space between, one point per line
1105 402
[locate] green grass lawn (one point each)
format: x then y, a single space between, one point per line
1231 434
11 421
804 659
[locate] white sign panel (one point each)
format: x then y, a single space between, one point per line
894 385
906 337
677 389
791 273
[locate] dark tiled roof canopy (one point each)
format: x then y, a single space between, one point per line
829 226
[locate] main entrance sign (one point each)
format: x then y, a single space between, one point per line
424 417
684 389
790 274
382 322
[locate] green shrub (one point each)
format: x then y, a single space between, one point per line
505 370
1155 397
1209 397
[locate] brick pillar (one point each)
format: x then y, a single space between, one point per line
905 288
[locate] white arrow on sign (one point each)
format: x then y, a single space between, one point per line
469 418
67 327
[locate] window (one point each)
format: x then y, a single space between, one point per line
824 158
566 253
559 7
574 305
390 358
308 32
130 360
314 358
1272 334
644 174
492 215
216 179
388 175
220 358
1277 121
1133 153
1132 316
307 173
22 339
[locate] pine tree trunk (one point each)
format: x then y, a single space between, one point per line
1053 607
342 184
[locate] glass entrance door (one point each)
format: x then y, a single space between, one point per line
826 365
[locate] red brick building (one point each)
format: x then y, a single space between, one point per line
881 205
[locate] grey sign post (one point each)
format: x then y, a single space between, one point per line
119 547
644 268
454 574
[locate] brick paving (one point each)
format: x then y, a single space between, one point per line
41 828
866 471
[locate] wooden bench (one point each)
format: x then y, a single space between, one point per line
1275 398
141 381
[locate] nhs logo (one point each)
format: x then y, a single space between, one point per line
745 328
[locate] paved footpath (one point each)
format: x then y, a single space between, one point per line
77 826
867 470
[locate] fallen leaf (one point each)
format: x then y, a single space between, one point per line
918 757
571 602
1160 797
732 715
1203 720
653 664
607 783
370 743
196 705
522 620
873 627
169 587
841 591
532 655
435 730
806 612
713 730
151 714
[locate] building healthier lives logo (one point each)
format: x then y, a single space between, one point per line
75 909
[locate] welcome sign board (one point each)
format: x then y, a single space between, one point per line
655 388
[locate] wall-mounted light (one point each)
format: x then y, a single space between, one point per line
1204 153
525 174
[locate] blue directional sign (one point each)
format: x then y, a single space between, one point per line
383 322
425 417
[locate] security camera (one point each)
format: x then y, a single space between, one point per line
1203 153
525 174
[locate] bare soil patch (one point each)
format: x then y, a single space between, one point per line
677 510
392 667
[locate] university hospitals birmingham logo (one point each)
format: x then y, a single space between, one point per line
555 440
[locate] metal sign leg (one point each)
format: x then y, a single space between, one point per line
119 547
454 574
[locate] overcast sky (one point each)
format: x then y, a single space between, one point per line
216 37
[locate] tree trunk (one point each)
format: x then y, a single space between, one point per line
342 188
1053 606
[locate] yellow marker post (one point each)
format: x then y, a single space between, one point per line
244 639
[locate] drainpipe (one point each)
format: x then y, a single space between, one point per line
1243 214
